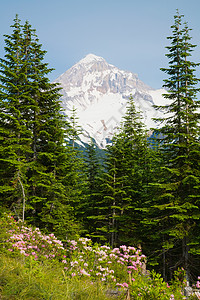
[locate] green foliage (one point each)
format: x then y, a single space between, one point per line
33 157
125 193
73 276
33 280
176 206
93 175
153 287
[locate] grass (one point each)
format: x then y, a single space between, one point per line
21 280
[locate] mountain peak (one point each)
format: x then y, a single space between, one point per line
100 91
90 58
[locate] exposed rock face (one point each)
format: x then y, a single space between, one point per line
99 91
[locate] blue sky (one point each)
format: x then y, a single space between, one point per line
129 34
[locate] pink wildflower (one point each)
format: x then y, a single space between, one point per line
64 261
82 271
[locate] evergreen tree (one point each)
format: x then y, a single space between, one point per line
125 183
107 204
136 173
33 131
178 203
93 170
15 138
75 180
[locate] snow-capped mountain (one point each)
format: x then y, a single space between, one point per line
99 92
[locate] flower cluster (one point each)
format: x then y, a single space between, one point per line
101 262
31 242
198 283
79 258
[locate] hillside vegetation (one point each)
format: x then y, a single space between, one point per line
38 266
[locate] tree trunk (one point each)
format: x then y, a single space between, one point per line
24 198
185 249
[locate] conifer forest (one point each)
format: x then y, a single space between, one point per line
142 190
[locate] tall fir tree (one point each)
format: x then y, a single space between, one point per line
125 183
178 201
136 173
15 138
33 132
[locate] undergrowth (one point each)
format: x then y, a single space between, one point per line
22 278
34 265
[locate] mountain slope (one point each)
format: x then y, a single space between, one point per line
99 91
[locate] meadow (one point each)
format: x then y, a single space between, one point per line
34 265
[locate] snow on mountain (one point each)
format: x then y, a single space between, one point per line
99 92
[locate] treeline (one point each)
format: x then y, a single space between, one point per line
147 190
